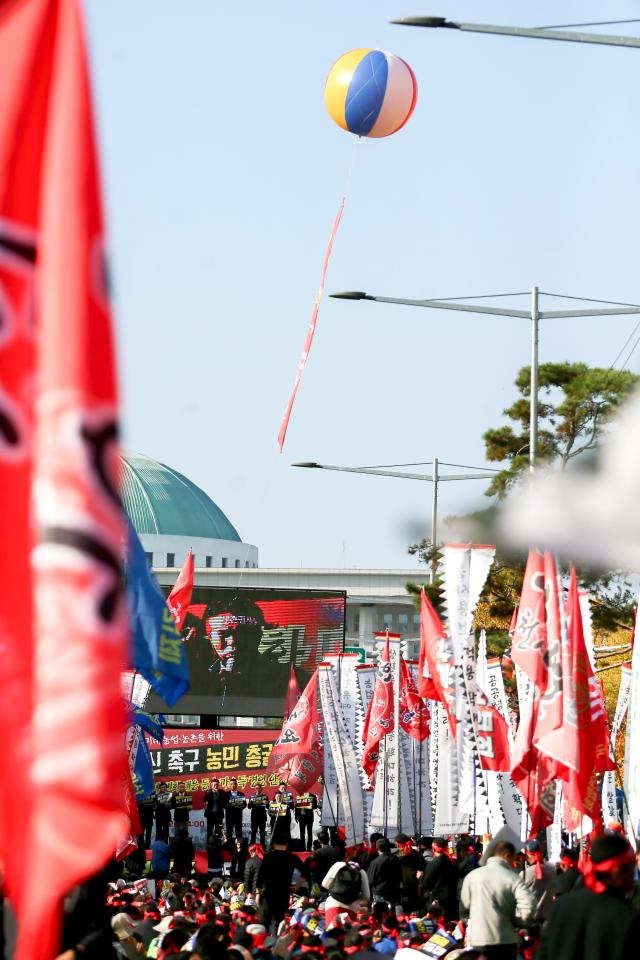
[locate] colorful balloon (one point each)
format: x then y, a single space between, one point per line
371 93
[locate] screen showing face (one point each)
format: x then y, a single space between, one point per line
241 643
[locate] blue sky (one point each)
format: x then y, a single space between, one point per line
222 174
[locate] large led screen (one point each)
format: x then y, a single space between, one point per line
241 643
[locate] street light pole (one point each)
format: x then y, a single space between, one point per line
434 518
534 315
533 387
435 478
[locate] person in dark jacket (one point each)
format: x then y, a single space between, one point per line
183 853
163 812
569 874
324 857
252 868
596 921
214 804
464 863
440 880
385 875
412 865
274 882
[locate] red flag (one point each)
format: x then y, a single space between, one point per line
180 597
580 746
492 735
514 621
62 621
414 715
528 652
379 721
293 693
297 753
436 670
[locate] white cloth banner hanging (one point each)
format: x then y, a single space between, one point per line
448 816
632 746
436 710
609 801
554 832
338 742
385 811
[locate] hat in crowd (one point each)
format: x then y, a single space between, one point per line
608 845
165 924
532 846
122 925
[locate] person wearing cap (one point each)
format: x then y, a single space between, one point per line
565 881
497 902
596 921
385 875
123 926
539 876
440 878
235 804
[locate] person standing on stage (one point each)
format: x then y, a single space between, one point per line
181 803
258 803
305 806
236 802
147 811
163 812
280 817
287 795
214 804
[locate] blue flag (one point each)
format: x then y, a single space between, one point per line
143 771
157 650
149 722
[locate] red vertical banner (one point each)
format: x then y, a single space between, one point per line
61 612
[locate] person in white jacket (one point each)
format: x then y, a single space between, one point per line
496 902
333 906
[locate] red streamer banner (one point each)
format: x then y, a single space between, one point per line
311 330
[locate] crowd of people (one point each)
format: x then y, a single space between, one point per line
410 898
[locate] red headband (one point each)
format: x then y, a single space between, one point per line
591 870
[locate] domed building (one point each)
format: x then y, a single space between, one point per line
171 514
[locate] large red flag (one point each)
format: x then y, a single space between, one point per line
492 735
414 715
180 597
579 746
528 652
379 720
297 755
436 668
62 621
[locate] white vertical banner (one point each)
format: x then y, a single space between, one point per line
338 742
554 832
436 709
448 816
407 797
385 811
587 625
632 746
609 802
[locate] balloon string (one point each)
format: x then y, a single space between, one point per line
352 163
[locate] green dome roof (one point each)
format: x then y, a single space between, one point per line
160 500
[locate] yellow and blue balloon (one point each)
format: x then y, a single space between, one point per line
371 93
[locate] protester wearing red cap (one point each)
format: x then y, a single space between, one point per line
597 921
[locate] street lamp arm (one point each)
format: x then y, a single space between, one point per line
533 33
433 304
402 476
611 312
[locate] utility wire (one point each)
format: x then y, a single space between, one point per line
625 345
565 296
598 23
631 352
